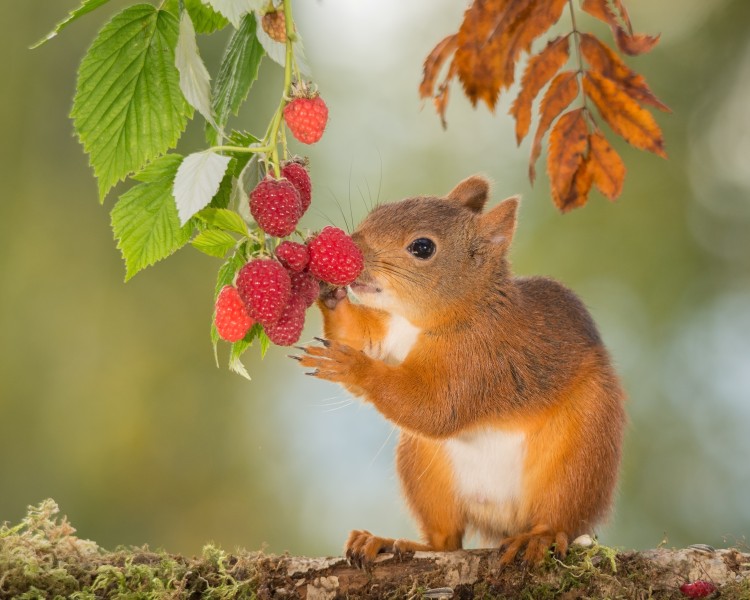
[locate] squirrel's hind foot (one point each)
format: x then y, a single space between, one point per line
537 542
362 548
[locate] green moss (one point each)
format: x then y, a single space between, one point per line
42 558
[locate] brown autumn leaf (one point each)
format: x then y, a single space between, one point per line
603 59
492 36
623 114
568 142
434 62
606 166
619 21
539 70
636 43
580 187
560 93
441 102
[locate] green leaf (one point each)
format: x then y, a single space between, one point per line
205 18
238 70
222 218
228 271
145 221
128 107
86 7
242 138
223 196
214 242
198 180
238 349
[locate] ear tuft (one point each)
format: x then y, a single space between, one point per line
471 192
499 224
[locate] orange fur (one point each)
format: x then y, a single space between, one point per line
511 413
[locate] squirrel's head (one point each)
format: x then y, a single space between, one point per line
429 256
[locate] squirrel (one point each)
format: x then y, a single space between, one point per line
510 411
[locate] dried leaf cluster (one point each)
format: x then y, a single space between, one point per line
483 55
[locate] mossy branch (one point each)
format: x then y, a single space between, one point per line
42 558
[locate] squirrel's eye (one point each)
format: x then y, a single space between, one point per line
422 248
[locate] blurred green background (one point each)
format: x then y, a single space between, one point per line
110 401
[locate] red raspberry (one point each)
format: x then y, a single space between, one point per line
306 118
300 178
305 286
334 257
275 205
288 329
698 589
292 255
231 318
265 287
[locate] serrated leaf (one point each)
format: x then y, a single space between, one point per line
265 343
197 181
623 114
205 19
242 138
86 7
144 219
238 70
222 197
560 93
607 168
234 10
237 349
539 71
568 142
214 242
228 271
277 51
195 81
128 107
222 218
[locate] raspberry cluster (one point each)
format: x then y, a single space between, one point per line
277 292
278 204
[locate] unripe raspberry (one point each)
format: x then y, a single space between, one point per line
292 255
288 328
306 118
231 317
334 257
275 205
300 178
274 25
264 287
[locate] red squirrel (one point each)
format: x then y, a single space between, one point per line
511 414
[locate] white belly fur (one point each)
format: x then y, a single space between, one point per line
488 469
398 342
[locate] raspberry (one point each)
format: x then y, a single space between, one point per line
305 286
698 589
306 118
298 175
288 329
292 255
274 25
265 287
334 257
231 318
275 205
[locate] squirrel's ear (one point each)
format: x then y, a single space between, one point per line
472 193
499 224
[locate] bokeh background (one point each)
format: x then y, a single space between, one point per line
110 401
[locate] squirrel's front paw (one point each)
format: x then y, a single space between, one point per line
337 362
331 295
